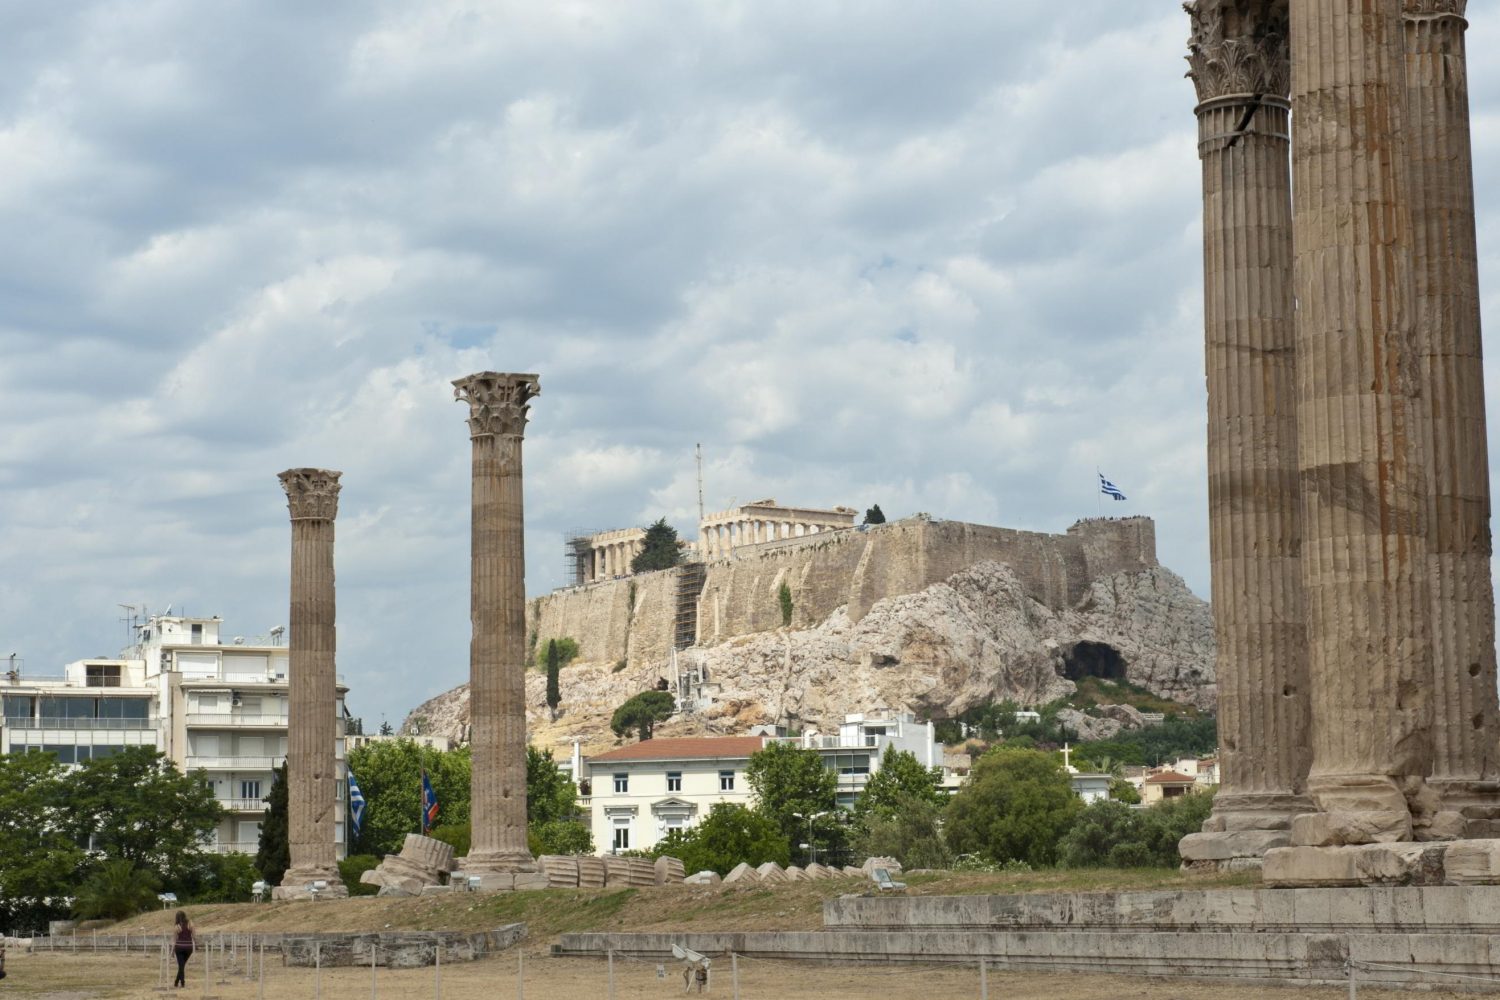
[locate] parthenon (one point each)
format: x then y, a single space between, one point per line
605 555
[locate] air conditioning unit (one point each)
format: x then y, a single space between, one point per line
235 701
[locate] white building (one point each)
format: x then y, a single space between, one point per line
637 793
208 704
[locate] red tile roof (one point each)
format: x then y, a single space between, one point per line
686 748
1170 778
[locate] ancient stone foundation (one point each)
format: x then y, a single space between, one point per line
422 862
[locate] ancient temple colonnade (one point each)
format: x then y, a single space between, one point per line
765 521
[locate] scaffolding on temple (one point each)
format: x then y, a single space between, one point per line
579 553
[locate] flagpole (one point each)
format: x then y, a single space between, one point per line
1098 492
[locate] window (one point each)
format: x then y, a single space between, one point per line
250 790
622 784
99 675
18 707
197 633
726 781
674 781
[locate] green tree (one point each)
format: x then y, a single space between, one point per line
38 863
1123 791
221 878
642 712
900 778
797 792
875 515
390 775
550 793
1106 833
728 835
117 889
554 668
385 728
560 836
352 867
784 598
136 806
1016 805
567 652
273 856
659 549
911 832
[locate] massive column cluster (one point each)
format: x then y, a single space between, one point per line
1348 477
313 770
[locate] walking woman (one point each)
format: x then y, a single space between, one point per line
182 946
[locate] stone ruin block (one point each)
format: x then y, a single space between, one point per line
616 871
771 872
703 878
889 864
742 872
422 862
642 872
795 874
817 871
669 871
561 870
852 872
590 872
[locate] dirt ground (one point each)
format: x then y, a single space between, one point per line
135 977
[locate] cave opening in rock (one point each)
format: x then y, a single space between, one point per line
1093 659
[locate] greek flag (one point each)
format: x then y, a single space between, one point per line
1109 489
356 804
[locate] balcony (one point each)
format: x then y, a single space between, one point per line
240 846
237 720
52 722
243 805
235 763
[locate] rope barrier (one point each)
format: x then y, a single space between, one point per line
1426 972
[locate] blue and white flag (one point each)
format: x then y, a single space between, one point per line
356 804
1109 489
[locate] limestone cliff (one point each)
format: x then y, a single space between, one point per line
977 635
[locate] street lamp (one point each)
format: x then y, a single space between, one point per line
811 844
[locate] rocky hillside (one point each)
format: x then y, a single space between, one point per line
973 638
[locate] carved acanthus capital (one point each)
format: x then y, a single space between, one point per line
311 494
1239 47
498 401
1434 8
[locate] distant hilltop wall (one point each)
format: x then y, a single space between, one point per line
635 619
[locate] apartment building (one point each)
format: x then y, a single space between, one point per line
212 703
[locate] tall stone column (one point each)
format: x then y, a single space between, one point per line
498 403
312 768
1241 66
1361 437
1465 772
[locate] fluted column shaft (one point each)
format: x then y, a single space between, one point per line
1241 69
313 772
1464 766
497 650
1361 440
1254 515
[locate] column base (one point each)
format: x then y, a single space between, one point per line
1464 862
1354 809
479 862
297 884
497 881
1459 809
1241 830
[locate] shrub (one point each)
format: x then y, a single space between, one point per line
116 890
352 867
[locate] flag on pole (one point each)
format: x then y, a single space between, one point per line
1109 489
429 802
356 804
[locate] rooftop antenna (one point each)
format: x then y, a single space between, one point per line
698 451
129 620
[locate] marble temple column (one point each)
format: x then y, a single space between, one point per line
1241 66
1361 434
1464 766
313 773
498 404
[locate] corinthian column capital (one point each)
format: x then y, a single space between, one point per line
498 401
311 494
1240 47
1434 8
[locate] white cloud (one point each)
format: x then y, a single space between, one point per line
860 253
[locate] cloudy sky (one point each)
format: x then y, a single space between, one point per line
943 259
